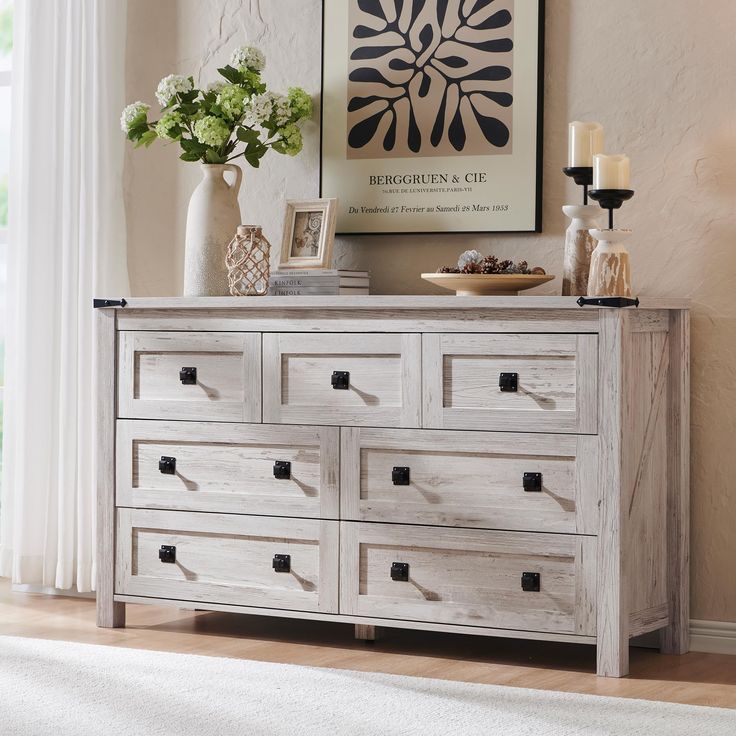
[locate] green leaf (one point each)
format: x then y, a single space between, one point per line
234 76
188 97
146 139
247 135
188 108
254 161
214 157
137 131
190 156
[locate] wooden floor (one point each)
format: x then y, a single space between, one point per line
700 679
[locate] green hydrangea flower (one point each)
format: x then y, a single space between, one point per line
231 100
134 114
291 142
212 131
301 103
170 126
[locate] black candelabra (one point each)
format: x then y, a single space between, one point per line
611 199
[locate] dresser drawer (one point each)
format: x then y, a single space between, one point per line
471 479
228 559
228 468
349 379
550 382
468 576
208 376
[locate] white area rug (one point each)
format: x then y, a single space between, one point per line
50 688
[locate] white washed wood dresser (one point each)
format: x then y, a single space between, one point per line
511 467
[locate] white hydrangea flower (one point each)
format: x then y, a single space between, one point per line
248 57
170 86
216 86
134 111
469 257
282 110
263 107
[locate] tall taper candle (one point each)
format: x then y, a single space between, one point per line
586 139
611 172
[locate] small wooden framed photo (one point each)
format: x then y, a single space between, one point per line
309 234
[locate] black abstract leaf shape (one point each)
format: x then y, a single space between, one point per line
426 36
500 98
372 7
439 123
418 6
497 20
490 74
363 131
456 131
358 103
496 132
389 140
366 32
494 46
454 62
424 86
368 74
415 135
399 65
479 5
371 52
442 11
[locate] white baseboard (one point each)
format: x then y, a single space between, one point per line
716 637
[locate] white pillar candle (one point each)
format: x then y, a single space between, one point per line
586 139
611 172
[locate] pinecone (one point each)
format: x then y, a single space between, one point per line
448 269
505 266
522 267
471 268
489 265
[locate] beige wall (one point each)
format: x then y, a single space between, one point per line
660 77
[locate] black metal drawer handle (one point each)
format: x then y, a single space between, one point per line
401 476
533 482
400 572
508 382
282 470
281 563
531 582
341 380
167 554
188 376
167 465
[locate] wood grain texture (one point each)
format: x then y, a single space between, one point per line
464 576
229 468
675 638
470 479
385 379
228 559
109 613
228 384
557 382
366 632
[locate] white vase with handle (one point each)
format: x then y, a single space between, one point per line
212 220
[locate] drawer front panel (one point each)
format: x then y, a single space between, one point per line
469 577
228 559
381 379
226 384
552 386
471 479
228 468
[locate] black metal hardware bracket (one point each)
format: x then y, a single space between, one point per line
531 582
100 303
401 476
188 376
167 465
508 382
167 554
400 572
282 563
282 470
340 380
533 482
618 302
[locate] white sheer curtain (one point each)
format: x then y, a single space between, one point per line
67 244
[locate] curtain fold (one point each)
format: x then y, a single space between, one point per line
67 244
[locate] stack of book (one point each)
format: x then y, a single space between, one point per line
313 282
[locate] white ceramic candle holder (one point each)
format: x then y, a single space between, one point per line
579 245
610 265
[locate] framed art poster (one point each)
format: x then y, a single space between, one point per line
432 114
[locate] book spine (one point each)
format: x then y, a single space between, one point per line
313 291
318 273
309 282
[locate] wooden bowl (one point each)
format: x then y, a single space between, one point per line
486 284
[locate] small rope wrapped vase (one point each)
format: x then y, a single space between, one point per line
247 260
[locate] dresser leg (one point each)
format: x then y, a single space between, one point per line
367 632
110 615
613 656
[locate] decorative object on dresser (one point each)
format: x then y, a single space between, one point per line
512 467
610 267
586 140
309 234
319 282
248 265
210 125
432 115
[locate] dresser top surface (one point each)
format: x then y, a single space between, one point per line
440 303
